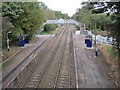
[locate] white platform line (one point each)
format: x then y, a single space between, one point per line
75 66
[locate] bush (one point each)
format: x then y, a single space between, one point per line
50 27
77 27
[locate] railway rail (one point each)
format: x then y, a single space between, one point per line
61 63
52 67
21 65
40 71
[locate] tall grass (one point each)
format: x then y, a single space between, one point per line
112 52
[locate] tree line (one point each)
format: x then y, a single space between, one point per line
104 16
25 18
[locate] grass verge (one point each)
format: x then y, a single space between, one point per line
44 33
112 52
111 60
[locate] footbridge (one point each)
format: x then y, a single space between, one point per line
62 21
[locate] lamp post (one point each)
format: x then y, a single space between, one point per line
96 50
8 46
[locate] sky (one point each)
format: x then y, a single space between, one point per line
65 6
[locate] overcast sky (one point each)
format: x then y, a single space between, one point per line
65 6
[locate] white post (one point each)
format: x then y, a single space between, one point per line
8 46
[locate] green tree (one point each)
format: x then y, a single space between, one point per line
49 14
60 15
50 27
113 10
11 9
31 19
25 17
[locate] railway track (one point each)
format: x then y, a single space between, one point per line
51 72
41 54
55 67
41 69
59 65
5 80
64 75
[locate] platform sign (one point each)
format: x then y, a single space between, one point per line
77 32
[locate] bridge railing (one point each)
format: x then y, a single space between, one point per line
62 21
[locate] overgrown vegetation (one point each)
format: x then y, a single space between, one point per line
113 53
109 58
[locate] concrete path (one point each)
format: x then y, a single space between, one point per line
88 72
